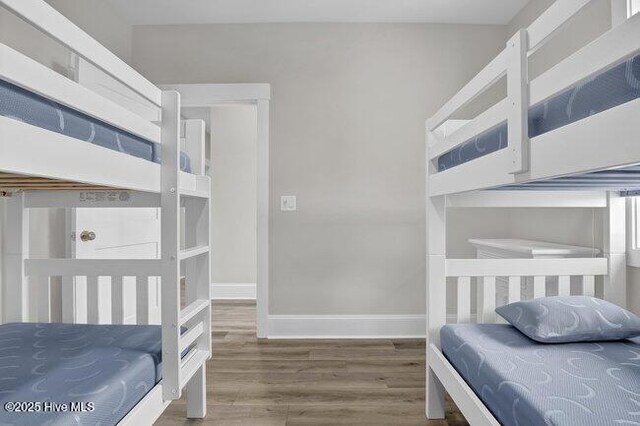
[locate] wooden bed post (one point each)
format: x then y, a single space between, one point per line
170 241
615 246
436 312
518 95
16 251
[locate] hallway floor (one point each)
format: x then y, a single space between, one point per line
308 382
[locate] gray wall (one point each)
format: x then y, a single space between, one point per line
347 137
234 191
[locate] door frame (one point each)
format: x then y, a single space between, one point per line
212 95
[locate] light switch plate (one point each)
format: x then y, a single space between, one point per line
288 203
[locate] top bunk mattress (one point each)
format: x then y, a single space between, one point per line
523 382
111 366
616 86
28 107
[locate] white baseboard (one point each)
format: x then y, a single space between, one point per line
245 291
346 326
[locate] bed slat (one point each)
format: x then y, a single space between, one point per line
564 285
539 286
12 181
93 300
142 300
589 285
464 300
43 291
514 289
117 300
486 300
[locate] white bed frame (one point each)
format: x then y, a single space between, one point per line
524 160
67 173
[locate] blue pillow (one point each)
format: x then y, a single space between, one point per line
563 319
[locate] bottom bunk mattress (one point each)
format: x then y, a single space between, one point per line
523 382
45 368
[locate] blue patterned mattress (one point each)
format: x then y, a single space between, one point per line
523 382
606 90
28 107
111 366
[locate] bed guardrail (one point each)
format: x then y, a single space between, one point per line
483 273
193 343
48 20
83 93
512 63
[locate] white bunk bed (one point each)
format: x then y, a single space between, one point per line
583 161
42 167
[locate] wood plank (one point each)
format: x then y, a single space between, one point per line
271 385
525 267
12 181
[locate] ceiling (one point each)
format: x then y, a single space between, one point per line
155 12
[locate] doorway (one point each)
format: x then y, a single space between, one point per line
232 106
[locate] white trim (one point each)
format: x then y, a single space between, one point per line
465 398
208 95
233 291
346 326
262 288
525 267
537 199
202 95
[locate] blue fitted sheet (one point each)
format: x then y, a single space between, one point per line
523 382
28 107
606 90
113 366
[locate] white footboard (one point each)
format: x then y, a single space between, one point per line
464 275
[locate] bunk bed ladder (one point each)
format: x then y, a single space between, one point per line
186 332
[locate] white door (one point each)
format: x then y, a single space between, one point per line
113 233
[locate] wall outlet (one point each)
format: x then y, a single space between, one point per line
288 203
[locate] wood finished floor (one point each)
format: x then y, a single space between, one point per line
308 382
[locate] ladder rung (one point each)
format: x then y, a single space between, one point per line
193 309
193 193
190 336
192 361
193 252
